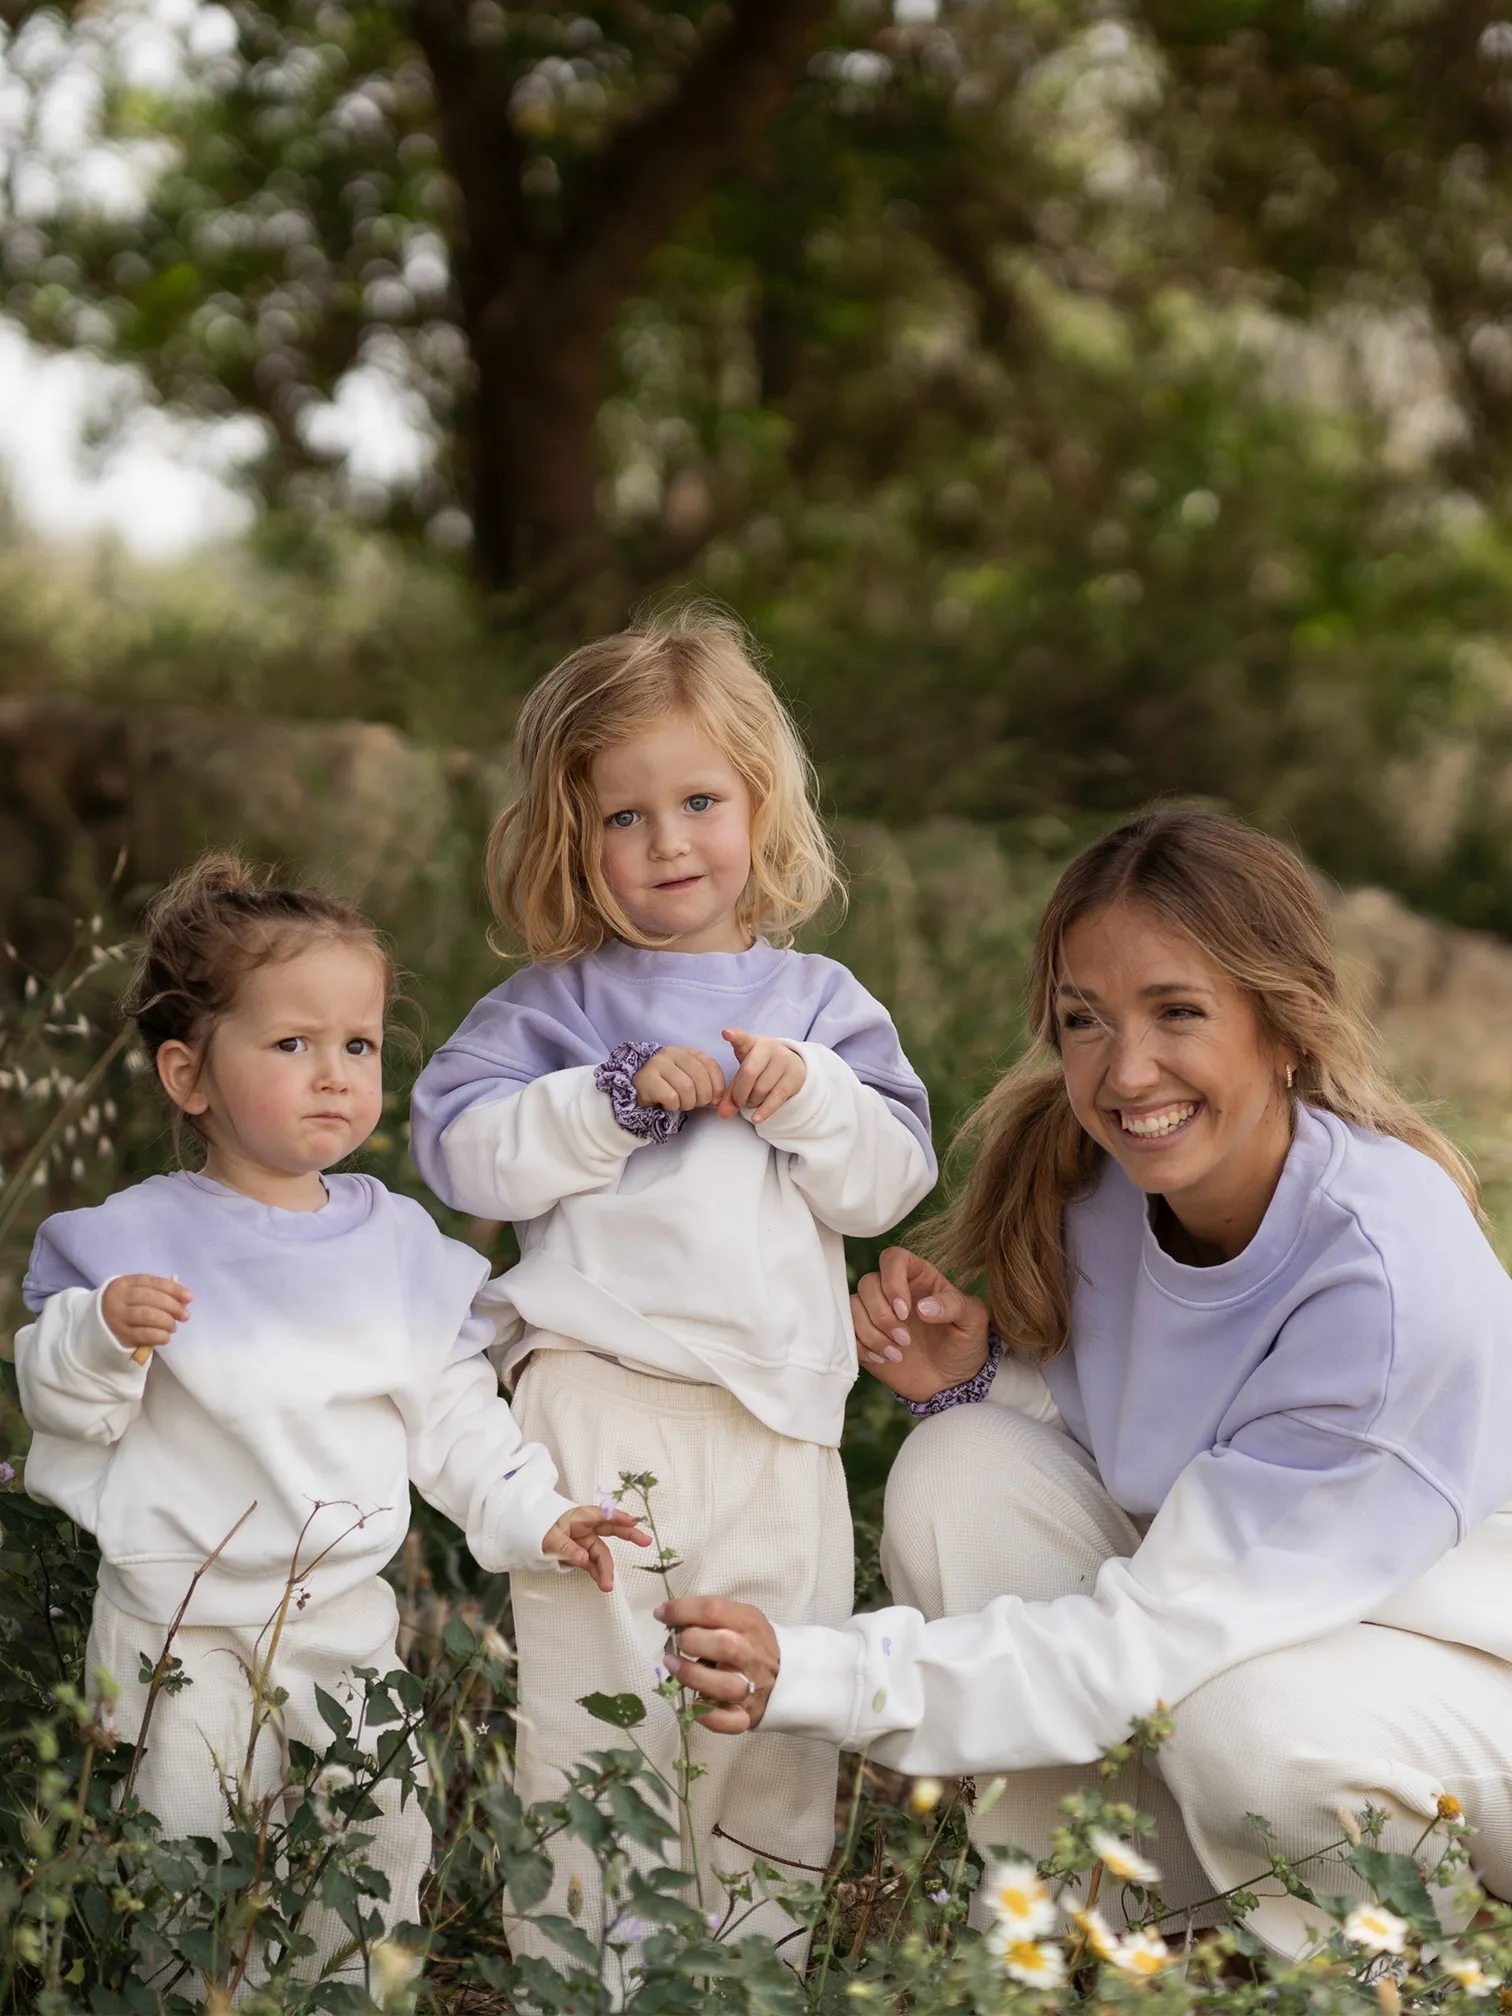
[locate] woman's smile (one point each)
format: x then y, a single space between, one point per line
1157 1126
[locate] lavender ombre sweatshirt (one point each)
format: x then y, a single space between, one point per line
1320 1427
330 1359
717 1255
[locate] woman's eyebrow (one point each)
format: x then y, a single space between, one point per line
1157 989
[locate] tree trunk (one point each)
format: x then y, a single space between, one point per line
539 312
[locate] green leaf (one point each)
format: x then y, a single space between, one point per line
621 1711
334 1716
1398 1882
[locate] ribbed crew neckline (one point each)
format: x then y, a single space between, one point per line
1312 1152
349 1201
732 972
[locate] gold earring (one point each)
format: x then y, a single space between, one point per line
1290 1074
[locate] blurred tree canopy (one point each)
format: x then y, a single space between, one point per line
1084 400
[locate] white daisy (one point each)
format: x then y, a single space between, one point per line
1471 1976
1031 1961
1142 1953
1374 1927
1021 1906
1099 1934
924 1795
1122 1859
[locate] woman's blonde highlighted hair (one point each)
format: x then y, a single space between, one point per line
1251 905
544 863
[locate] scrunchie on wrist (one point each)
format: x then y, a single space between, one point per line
969 1391
616 1076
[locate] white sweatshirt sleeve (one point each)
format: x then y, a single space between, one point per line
518 1156
77 1380
1246 1556
858 1166
468 1459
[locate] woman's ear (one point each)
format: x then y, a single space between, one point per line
178 1069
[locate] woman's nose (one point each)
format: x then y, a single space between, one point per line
1132 1065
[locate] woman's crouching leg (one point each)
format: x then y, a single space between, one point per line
1365 1716
983 1502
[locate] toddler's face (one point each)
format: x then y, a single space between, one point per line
677 836
292 1079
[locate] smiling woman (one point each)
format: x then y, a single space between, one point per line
1230 1431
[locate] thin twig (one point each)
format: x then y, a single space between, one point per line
155 1684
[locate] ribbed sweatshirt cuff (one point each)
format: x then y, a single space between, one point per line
817 1679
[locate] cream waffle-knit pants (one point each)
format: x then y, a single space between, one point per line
200 1732
751 1515
983 1502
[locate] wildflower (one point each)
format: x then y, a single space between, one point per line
1031 1961
1095 1929
1350 1825
495 1645
1471 1976
1021 1906
7 1473
1376 1928
394 1967
604 1500
1142 1953
940 1896
924 1795
329 1780
1122 1859
1449 1808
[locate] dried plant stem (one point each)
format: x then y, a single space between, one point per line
83 1092
159 1671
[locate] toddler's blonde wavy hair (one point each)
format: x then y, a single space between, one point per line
544 864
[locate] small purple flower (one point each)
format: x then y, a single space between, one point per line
604 1500
713 1920
628 1929
661 1673
7 1473
941 1896
887 1648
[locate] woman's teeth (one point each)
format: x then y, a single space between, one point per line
1149 1125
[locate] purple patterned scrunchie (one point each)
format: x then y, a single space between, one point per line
969 1391
616 1076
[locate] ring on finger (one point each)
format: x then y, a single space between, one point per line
750 1685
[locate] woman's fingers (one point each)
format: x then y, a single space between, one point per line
600 1565
877 1345
904 1277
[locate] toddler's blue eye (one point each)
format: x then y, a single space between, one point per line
622 819
700 802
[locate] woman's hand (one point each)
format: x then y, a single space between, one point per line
578 1539
720 1647
914 1329
679 1080
770 1072
142 1311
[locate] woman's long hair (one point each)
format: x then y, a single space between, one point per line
1251 905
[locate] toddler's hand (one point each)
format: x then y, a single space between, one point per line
578 1539
143 1311
771 1071
679 1080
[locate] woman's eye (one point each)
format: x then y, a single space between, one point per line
1077 1019
621 819
1183 1011
290 1045
700 802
